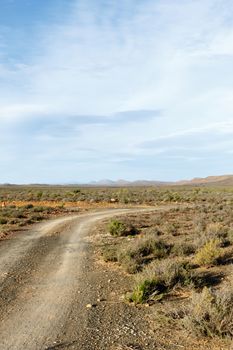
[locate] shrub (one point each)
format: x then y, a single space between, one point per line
140 251
118 228
36 218
150 244
159 277
39 195
3 221
28 206
39 209
145 289
19 214
182 249
213 231
230 236
109 254
199 222
171 229
209 254
217 230
211 313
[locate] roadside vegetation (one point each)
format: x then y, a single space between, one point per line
180 262
14 218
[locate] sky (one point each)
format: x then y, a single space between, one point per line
132 89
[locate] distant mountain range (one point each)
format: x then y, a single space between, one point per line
222 180
125 183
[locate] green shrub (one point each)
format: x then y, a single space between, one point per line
39 195
211 313
118 228
39 209
159 277
209 254
145 290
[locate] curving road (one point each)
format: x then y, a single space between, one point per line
39 274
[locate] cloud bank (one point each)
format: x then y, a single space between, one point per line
92 89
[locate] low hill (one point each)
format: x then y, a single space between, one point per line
222 180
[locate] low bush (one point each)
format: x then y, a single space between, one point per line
39 209
109 254
211 313
145 290
213 231
36 218
150 244
209 254
183 249
118 228
28 206
3 221
141 251
19 214
230 236
171 229
159 277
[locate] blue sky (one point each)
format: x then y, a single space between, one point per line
130 89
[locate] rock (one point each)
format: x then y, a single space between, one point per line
100 300
113 200
89 306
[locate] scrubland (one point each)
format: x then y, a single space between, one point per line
178 257
180 260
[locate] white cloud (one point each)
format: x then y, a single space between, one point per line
20 112
169 56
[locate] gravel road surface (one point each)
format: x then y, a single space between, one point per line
46 283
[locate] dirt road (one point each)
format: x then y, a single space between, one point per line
45 287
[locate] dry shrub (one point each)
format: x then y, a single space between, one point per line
213 231
109 253
159 277
141 250
183 249
211 313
